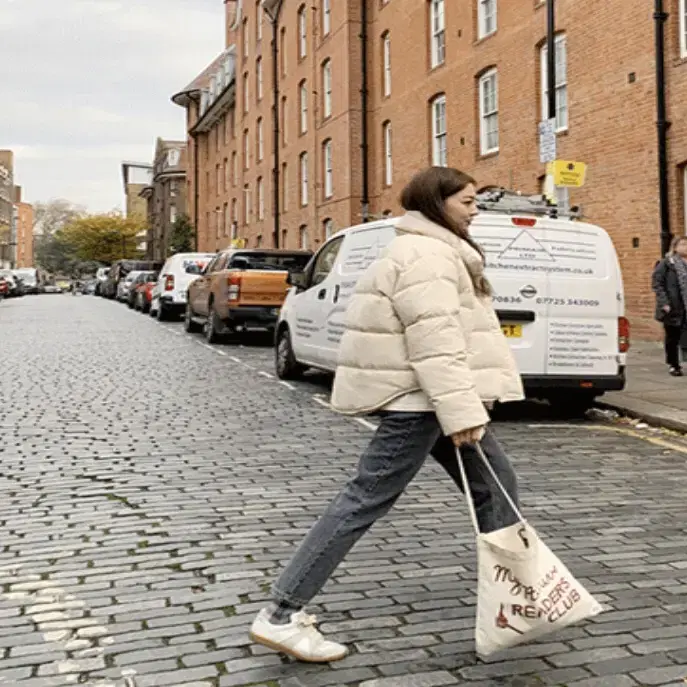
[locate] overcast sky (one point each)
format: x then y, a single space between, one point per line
85 84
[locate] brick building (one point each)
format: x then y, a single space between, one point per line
448 82
24 230
165 196
7 213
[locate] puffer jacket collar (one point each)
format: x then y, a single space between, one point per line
416 223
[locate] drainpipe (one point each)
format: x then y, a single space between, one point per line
662 125
364 145
196 190
273 10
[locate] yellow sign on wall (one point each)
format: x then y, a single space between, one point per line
568 173
238 243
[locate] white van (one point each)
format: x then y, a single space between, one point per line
170 292
558 294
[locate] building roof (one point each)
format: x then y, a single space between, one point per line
201 81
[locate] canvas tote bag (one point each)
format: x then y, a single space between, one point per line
523 589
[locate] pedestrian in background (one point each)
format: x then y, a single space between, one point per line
424 350
669 282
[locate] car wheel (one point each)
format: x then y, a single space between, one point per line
212 327
162 314
190 325
286 364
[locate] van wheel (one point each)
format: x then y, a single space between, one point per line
286 364
190 325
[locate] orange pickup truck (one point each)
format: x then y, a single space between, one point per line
241 290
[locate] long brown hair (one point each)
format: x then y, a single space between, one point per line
427 192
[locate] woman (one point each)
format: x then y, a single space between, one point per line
669 283
422 348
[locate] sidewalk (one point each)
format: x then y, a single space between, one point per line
651 393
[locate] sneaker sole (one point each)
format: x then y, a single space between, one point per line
289 652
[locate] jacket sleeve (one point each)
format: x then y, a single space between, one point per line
658 284
427 302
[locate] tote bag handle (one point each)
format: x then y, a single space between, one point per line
468 492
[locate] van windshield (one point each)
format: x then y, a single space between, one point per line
284 262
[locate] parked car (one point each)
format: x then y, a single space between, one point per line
125 285
32 278
558 290
144 295
88 287
141 279
4 288
52 288
241 290
15 285
120 269
169 294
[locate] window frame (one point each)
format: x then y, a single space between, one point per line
437 32
560 38
246 92
303 172
259 83
328 168
260 193
326 18
482 31
327 88
387 137
487 79
302 24
303 234
682 9
303 107
439 137
386 64
260 141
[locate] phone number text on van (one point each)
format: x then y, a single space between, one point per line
576 302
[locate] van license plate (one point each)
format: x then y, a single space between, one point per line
512 331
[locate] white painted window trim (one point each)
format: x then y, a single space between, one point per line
261 140
439 132
328 168
482 30
303 107
388 155
302 33
327 88
261 198
303 162
386 62
328 229
561 83
489 79
259 78
437 27
303 237
326 17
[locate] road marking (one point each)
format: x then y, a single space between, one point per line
321 401
619 430
266 374
235 359
216 350
366 423
288 386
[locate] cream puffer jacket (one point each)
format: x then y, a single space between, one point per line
416 326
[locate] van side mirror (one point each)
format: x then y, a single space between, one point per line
297 279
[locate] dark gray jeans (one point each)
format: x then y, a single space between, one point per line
395 455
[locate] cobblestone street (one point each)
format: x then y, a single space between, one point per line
151 486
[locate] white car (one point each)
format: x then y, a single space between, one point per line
124 286
558 293
171 291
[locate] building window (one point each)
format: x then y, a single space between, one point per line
326 17
439 145
304 178
386 63
282 50
234 168
302 32
225 132
244 38
172 214
486 18
303 237
258 21
561 83
227 173
489 112
246 93
218 179
246 150
284 121
172 189
328 169
258 78
327 88
246 204
218 222
284 188
328 226
303 100
234 218
388 160
260 140
232 122
437 22
261 199
226 222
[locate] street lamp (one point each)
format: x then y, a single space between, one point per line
273 10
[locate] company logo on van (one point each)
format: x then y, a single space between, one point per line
528 291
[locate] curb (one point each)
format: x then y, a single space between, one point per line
647 415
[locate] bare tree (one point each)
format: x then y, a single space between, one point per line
55 214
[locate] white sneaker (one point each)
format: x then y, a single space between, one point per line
299 638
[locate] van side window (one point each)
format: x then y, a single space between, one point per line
325 261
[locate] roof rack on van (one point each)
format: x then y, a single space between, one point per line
498 199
